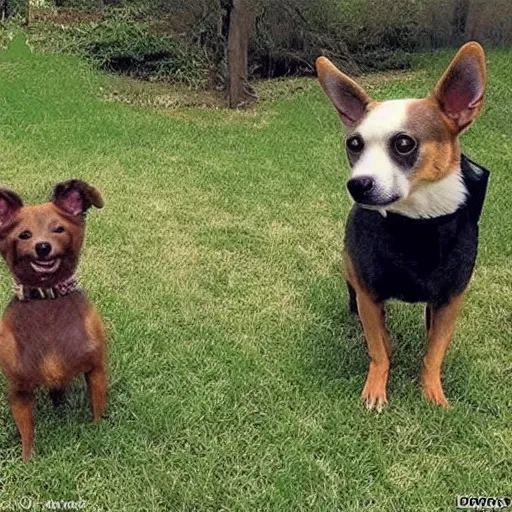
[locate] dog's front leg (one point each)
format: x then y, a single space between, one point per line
97 385
379 349
22 403
442 325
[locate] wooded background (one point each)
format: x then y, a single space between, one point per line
224 43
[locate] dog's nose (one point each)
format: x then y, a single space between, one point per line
43 249
360 186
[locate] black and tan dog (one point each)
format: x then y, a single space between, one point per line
413 231
50 333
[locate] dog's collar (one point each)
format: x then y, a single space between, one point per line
25 293
476 178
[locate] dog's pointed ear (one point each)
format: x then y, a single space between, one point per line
75 197
10 204
349 98
460 91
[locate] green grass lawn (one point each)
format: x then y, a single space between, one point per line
235 369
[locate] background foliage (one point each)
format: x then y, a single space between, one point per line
185 40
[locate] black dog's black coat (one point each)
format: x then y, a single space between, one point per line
417 260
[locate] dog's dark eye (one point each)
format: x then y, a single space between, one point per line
59 229
404 144
25 235
355 144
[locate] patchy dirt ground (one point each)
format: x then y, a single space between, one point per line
168 96
64 16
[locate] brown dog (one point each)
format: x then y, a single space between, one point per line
50 333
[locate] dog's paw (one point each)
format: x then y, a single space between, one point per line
377 402
433 390
374 392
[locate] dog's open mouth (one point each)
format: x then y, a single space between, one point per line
45 266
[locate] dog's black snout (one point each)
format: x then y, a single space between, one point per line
43 249
360 186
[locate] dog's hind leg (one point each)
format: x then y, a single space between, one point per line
442 327
22 404
352 300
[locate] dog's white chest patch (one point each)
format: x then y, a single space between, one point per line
433 199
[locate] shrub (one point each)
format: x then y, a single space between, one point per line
186 40
123 46
118 43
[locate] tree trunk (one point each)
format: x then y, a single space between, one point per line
10 8
239 91
217 45
460 21
7 9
